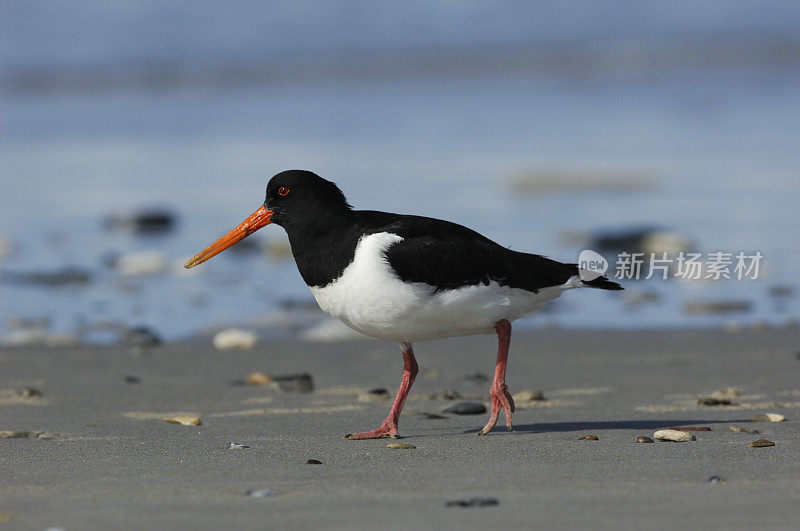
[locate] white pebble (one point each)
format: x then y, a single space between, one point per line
141 263
769 417
231 338
673 435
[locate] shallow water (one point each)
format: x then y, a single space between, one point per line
428 112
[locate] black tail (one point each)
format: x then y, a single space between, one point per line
603 283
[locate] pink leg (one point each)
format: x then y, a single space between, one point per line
389 426
499 391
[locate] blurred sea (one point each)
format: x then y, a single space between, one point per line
430 108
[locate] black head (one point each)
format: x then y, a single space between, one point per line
298 196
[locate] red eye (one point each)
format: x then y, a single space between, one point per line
283 191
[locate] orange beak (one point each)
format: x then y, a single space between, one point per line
260 218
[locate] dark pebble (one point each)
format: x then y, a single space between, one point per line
28 392
295 383
132 379
139 336
761 443
714 479
149 221
313 462
474 502
434 416
589 438
643 439
466 408
710 401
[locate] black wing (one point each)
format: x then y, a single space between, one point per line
449 256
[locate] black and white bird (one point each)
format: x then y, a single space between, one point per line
406 278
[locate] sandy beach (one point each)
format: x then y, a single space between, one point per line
107 459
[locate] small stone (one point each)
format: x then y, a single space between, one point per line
313 462
19 434
184 420
743 430
373 395
236 446
232 338
689 428
132 379
434 416
446 394
260 493
589 438
643 439
140 337
28 392
47 436
769 417
401 446
258 378
530 395
761 443
466 408
147 221
139 264
673 435
714 479
295 383
713 401
473 502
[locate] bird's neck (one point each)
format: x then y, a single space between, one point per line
323 248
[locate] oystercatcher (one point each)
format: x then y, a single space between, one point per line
405 278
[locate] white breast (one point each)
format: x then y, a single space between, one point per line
370 298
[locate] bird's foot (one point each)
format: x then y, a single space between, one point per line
501 398
387 429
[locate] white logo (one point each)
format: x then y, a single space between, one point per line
591 265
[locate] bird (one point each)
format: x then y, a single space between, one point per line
406 278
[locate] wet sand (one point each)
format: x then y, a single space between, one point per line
113 463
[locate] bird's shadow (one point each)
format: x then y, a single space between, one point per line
547 427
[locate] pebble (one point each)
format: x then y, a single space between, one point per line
19 434
713 401
761 443
769 417
466 408
46 436
743 430
714 479
530 395
473 502
313 462
434 416
231 338
236 446
5 246
589 438
689 428
139 264
401 446
673 435
447 394
295 383
260 493
643 439
184 420
132 379
727 392
139 337
147 221
258 378
28 392
373 395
